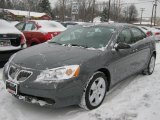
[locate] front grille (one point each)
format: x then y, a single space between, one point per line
17 74
23 75
9 35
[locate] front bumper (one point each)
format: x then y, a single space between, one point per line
53 94
35 100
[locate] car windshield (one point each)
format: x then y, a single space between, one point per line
89 37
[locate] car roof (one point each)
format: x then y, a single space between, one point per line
115 25
42 21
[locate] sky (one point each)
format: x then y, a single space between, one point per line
144 4
147 4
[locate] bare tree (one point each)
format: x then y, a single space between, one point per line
132 13
32 5
117 12
61 7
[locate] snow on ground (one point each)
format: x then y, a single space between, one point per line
136 98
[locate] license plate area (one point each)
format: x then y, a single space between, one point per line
4 43
11 87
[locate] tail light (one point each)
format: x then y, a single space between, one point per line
49 36
56 33
148 34
157 33
23 41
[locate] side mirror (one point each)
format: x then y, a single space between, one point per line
122 46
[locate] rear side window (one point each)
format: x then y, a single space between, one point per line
137 34
125 37
29 27
20 26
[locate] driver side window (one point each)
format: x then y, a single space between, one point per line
125 37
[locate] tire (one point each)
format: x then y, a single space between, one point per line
33 44
151 66
95 91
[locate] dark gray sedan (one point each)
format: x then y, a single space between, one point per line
80 65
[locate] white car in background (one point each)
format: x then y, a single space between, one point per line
148 32
157 27
155 32
11 40
14 22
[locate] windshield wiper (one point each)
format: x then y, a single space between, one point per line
84 46
56 43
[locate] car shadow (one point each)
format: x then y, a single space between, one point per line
119 87
2 64
48 112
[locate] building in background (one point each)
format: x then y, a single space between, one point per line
17 15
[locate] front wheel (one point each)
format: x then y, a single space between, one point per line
33 44
95 91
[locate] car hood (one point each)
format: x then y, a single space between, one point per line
7 28
49 55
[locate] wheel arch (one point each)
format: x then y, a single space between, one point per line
34 41
154 53
107 74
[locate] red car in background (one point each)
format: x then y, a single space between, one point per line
39 31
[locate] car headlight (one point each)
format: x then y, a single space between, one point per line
57 74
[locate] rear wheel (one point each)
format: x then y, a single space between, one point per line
32 44
95 91
151 66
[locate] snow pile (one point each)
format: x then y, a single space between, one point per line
137 98
102 48
40 102
25 13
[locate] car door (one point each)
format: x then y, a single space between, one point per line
140 49
29 32
121 59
